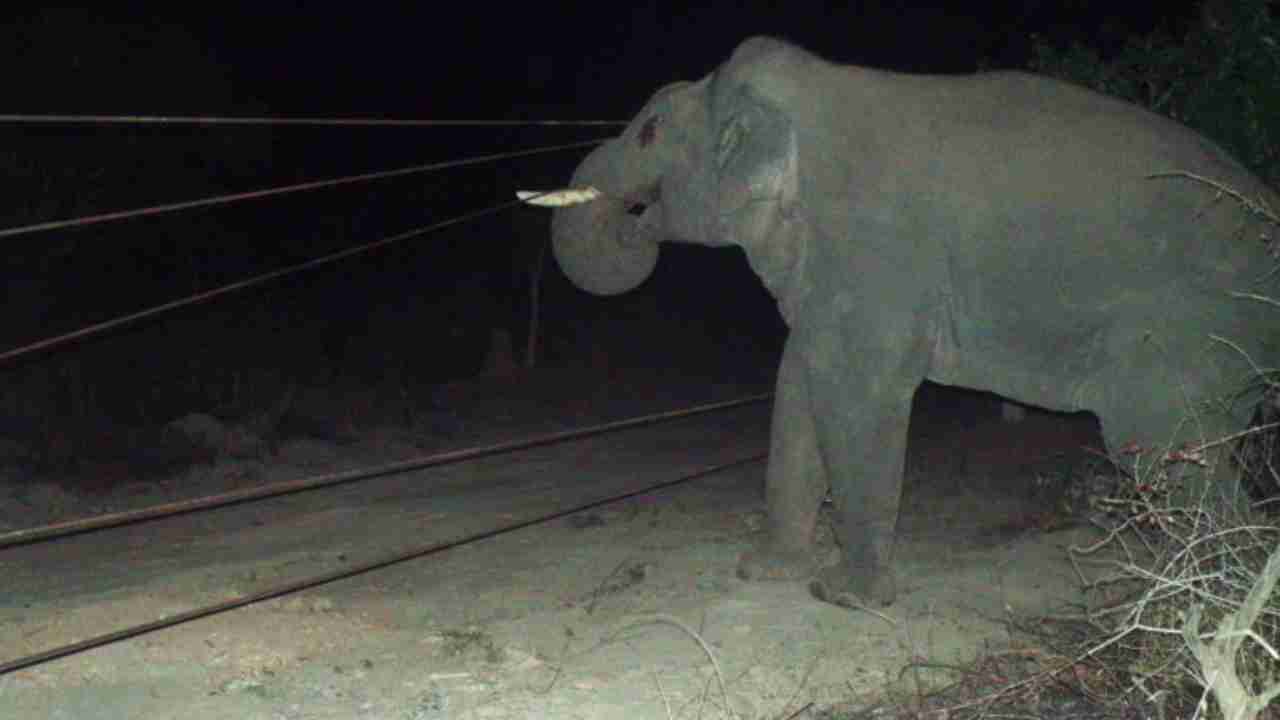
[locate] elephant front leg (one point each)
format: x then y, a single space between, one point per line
863 441
795 483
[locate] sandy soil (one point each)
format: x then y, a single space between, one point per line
593 615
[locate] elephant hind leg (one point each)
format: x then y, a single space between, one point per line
795 483
1164 409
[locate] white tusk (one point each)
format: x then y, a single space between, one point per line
559 198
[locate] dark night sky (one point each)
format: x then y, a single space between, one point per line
597 58
578 61
606 57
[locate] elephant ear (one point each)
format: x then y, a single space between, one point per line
757 163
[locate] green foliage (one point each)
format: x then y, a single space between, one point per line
1220 76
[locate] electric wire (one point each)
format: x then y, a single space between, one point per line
289 487
283 190
237 286
18 118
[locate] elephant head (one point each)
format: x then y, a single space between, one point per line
708 162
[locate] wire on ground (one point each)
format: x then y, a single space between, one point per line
289 487
325 578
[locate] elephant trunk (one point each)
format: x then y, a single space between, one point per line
605 246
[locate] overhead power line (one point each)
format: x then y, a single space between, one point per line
336 122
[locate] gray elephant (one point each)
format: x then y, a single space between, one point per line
1000 231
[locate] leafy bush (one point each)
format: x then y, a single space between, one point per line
1219 74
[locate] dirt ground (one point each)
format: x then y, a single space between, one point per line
600 614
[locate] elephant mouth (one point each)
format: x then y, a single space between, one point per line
638 207
637 201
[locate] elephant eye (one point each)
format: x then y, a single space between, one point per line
636 209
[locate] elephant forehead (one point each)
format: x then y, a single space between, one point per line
675 117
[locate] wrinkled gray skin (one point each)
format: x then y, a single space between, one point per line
996 232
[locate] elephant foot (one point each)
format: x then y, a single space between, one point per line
772 563
839 585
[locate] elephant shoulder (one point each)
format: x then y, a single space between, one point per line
766 68
766 51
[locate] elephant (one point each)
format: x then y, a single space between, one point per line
999 231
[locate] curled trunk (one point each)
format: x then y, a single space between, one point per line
610 245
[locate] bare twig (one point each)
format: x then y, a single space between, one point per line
662 618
